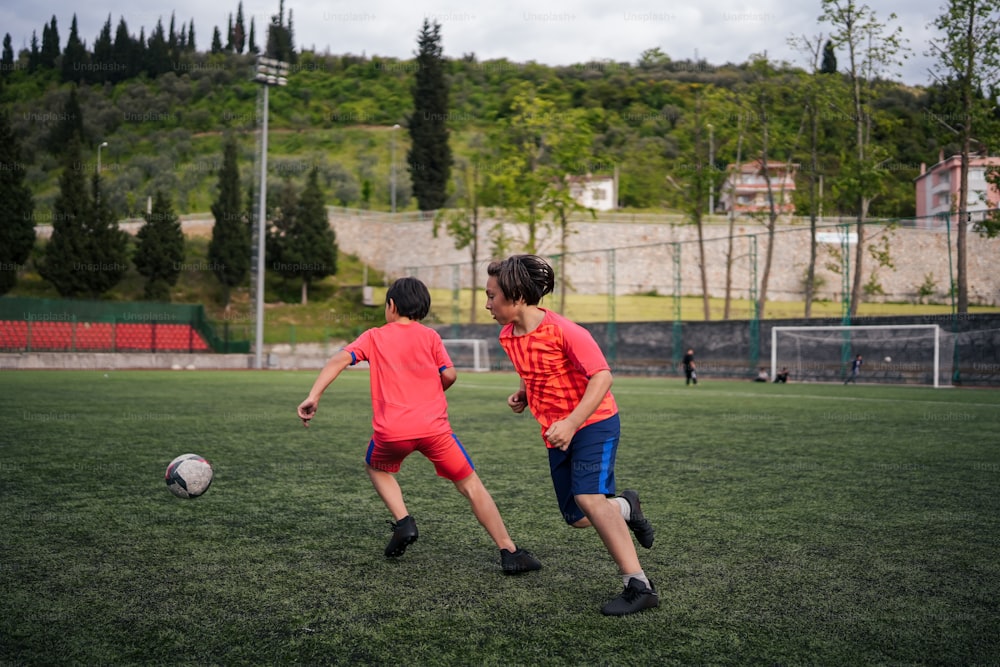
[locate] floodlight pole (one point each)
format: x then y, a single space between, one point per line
99 147
392 166
270 72
711 169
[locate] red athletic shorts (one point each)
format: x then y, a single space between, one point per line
445 451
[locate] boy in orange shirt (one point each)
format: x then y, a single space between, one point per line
410 371
566 382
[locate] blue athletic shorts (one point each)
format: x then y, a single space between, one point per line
587 466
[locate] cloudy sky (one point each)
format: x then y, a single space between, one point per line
554 32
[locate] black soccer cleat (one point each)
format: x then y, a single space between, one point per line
638 523
516 562
404 533
636 597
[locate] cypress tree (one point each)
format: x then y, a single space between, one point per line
35 54
17 225
157 52
70 124
240 34
216 41
229 249
103 54
75 57
106 249
50 45
309 251
160 249
829 64
66 249
7 61
430 155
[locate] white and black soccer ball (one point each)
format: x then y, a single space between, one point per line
888 360
189 476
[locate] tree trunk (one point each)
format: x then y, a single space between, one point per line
305 292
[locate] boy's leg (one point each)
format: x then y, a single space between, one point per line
389 491
605 516
485 510
382 463
453 463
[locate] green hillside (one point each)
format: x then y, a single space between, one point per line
337 113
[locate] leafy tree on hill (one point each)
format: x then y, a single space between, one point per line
229 249
160 249
309 249
969 61
430 155
17 226
872 47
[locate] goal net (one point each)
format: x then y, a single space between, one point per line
892 354
469 354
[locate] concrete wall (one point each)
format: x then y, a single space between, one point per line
643 259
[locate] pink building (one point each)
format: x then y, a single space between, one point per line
937 187
745 190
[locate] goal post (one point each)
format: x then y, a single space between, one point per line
469 354
892 353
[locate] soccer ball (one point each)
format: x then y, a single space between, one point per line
189 476
888 359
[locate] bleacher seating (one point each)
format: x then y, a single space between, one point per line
45 336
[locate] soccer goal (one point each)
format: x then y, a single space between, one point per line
469 354
892 353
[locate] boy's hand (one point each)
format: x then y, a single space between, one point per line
560 434
517 401
307 410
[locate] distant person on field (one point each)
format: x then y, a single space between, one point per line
410 371
566 383
761 375
782 377
690 374
855 370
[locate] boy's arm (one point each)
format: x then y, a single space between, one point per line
518 401
560 433
333 368
448 377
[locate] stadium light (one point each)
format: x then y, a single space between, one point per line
99 147
270 72
392 166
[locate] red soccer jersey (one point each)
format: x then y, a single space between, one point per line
406 361
556 361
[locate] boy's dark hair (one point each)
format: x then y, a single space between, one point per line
411 298
527 277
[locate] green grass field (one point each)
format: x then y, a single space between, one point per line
796 524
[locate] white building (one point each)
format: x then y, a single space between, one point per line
597 192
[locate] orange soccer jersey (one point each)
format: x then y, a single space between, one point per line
406 361
556 361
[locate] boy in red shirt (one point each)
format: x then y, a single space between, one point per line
566 382
410 371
